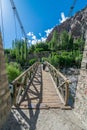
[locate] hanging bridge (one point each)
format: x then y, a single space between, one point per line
38 88
41 86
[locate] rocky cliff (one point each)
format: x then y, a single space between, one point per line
75 25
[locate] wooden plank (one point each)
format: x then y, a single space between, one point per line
56 71
44 106
42 96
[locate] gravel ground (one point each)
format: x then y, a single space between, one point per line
51 119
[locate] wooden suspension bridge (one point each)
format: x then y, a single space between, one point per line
38 88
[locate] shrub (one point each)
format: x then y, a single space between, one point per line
54 60
44 59
32 61
12 72
78 60
65 59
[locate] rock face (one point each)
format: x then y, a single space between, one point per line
81 93
4 90
76 25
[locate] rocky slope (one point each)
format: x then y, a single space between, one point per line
75 25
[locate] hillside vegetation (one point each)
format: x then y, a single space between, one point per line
64 51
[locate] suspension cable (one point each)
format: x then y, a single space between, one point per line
71 8
15 26
2 25
18 18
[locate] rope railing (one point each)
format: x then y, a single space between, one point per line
22 82
61 82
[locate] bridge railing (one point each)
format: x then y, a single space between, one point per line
22 82
61 82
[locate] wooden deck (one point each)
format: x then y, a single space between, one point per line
42 93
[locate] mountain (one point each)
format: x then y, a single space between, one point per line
76 25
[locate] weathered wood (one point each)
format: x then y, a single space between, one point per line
62 83
66 93
57 72
21 82
42 85
5 104
42 93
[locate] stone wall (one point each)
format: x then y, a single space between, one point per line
81 93
4 90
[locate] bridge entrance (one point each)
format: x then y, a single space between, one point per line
41 92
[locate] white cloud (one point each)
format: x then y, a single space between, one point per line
30 34
48 31
34 41
63 18
39 40
34 37
29 41
43 39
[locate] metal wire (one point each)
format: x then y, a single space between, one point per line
2 25
17 16
15 26
71 8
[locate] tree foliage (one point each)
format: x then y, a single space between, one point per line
65 41
13 70
64 50
67 51
39 47
19 51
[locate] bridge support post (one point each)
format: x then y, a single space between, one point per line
5 100
81 93
67 93
57 81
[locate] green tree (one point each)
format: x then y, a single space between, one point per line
13 71
32 61
54 43
20 50
70 43
32 49
64 40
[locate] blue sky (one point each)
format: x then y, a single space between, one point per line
38 17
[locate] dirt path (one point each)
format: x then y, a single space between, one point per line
52 119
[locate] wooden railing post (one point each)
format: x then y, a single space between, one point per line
57 81
22 82
62 83
14 94
66 93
